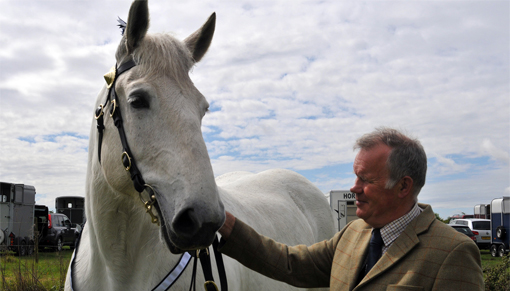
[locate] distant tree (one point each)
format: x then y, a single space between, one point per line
442 220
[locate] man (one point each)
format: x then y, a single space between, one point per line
410 249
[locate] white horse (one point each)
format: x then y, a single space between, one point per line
120 247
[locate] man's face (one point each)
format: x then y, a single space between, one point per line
375 204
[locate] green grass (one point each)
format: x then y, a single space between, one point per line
489 261
25 274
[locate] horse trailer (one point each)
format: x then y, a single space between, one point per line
40 222
343 203
17 204
73 207
500 226
482 211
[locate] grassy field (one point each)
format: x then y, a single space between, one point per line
488 260
24 274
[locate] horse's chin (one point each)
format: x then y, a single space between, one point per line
173 248
174 244
166 237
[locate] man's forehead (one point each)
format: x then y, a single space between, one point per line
371 158
375 152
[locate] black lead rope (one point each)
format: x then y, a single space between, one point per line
205 261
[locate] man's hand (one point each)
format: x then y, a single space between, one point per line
227 227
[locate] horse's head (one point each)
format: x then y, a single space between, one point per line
162 113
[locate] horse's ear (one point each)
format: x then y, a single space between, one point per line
199 41
137 24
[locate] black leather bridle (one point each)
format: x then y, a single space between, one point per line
127 157
127 161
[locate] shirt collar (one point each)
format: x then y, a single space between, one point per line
391 231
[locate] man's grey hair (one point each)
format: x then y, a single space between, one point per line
407 157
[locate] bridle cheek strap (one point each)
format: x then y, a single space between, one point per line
127 160
127 157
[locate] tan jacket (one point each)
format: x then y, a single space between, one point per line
428 255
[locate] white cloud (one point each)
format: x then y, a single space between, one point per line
494 152
289 85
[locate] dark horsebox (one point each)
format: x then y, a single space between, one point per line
73 207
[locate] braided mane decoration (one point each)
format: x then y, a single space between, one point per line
122 25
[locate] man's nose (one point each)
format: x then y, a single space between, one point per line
356 188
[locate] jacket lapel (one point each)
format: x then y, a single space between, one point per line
400 247
358 256
403 244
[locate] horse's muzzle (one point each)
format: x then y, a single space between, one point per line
191 229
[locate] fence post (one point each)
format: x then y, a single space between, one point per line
36 246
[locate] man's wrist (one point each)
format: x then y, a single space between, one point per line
228 226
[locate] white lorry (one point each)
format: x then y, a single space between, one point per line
17 204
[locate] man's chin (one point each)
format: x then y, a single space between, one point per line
360 213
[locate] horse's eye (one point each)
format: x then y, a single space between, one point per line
138 102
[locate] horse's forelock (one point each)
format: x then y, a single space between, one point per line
162 54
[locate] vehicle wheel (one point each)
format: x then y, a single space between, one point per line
501 250
494 250
59 244
500 232
30 249
22 249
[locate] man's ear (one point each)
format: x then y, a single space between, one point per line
405 187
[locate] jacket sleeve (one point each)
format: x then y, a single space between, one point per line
461 270
300 266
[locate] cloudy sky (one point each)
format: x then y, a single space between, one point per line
291 84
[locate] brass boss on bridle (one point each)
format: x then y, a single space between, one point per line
126 157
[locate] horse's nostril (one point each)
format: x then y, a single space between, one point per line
186 223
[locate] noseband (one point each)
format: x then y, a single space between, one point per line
127 157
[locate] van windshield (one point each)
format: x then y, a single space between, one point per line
482 225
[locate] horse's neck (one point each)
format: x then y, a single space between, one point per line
118 224
123 241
